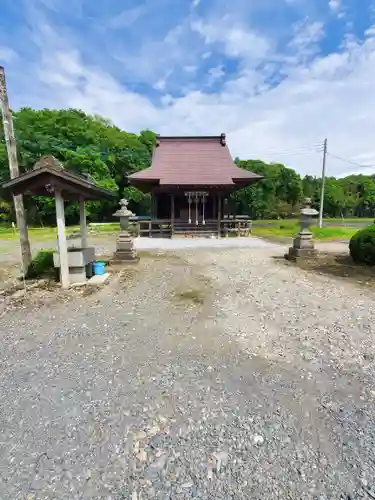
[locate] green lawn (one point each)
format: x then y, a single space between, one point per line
367 220
277 229
288 229
35 233
50 233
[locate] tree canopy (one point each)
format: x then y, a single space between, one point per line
94 145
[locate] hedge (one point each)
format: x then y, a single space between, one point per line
362 246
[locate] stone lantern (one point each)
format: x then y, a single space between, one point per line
303 243
125 250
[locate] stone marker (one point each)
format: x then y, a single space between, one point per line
303 243
125 250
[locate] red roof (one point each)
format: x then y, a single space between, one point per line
193 161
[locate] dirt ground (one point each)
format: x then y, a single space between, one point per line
210 374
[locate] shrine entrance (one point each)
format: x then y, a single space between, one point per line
194 207
190 211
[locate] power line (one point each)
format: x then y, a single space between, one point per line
350 161
299 148
316 149
307 147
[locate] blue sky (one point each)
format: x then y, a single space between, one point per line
278 76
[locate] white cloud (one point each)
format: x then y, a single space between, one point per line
127 17
190 68
237 40
334 5
337 8
315 96
215 74
6 54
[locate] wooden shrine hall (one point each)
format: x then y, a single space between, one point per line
190 180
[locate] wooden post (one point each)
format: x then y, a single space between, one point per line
219 215
152 205
172 214
14 171
82 222
63 248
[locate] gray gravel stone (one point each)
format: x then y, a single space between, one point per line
131 394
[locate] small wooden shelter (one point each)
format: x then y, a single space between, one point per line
49 178
189 179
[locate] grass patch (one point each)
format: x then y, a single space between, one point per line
333 233
288 229
41 265
192 295
367 220
49 233
35 233
336 265
113 227
364 220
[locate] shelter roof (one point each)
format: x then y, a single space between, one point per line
49 175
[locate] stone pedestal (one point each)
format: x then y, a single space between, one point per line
303 247
303 244
125 249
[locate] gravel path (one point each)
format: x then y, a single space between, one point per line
219 374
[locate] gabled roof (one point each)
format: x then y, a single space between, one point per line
48 175
193 161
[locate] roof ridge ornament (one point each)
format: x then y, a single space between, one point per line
48 161
223 141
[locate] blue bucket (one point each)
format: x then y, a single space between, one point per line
98 268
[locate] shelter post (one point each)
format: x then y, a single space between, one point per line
82 221
63 248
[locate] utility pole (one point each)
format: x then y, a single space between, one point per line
11 146
323 184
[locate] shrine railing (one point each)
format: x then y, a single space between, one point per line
165 228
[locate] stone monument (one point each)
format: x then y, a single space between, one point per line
303 243
125 250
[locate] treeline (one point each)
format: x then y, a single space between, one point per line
279 193
94 145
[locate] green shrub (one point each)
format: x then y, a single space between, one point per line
362 246
41 265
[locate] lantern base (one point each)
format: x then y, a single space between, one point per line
125 250
301 253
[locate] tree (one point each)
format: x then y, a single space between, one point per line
84 144
94 145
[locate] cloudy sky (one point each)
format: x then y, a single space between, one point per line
278 76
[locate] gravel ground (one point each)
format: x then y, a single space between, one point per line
203 375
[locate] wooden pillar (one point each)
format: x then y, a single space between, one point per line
155 206
82 222
63 247
172 214
219 215
152 205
